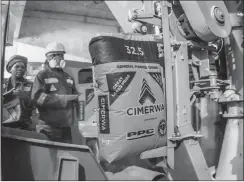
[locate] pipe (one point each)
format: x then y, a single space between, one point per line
230 157
197 119
4 37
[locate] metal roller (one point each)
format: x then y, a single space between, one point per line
209 19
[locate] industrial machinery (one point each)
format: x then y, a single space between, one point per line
202 45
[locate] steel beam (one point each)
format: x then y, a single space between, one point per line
191 164
69 17
230 166
188 153
169 83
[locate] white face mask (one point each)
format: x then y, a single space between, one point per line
53 63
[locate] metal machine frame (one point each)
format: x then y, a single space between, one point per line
182 139
185 159
179 125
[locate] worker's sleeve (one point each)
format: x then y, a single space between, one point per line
42 99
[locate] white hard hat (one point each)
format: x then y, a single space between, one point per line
54 47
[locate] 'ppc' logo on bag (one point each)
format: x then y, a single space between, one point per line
140 134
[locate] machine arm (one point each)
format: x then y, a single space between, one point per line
192 39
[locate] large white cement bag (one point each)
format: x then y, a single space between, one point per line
130 92
88 121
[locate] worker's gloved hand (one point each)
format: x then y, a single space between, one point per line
75 98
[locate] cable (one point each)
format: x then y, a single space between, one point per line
222 45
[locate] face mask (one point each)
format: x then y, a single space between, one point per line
53 63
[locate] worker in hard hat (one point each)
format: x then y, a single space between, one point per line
20 87
55 95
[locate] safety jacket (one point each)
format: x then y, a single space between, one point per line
55 95
26 105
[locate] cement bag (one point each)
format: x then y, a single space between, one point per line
87 122
130 92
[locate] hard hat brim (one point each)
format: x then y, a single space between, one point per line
63 52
